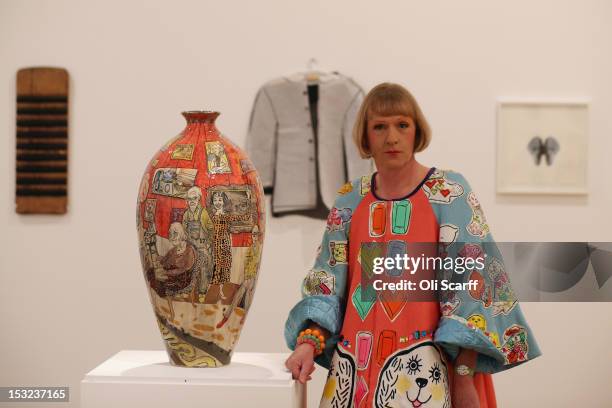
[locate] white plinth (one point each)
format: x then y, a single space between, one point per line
137 378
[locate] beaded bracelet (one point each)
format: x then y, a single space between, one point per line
314 338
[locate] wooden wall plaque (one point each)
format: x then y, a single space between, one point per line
42 141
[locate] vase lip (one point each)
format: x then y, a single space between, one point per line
204 116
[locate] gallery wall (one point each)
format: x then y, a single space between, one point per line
71 289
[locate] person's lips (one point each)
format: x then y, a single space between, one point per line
392 151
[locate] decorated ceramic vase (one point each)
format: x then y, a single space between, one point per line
200 225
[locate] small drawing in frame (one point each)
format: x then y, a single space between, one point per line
542 147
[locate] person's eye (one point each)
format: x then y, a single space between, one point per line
404 125
379 126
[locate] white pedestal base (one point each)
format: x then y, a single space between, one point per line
136 378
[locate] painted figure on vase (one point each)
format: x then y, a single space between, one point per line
223 217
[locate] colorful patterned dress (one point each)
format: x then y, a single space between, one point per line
385 352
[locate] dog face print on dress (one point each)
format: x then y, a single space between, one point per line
414 377
339 390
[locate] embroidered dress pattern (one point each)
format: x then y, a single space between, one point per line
384 351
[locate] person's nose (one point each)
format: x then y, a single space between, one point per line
392 136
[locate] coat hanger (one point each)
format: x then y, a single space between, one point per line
312 75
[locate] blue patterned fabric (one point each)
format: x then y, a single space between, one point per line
488 320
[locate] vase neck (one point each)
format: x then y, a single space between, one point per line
202 121
201 116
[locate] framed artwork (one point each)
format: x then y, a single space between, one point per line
542 147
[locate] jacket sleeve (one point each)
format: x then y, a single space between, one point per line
355 165
261 138
486 318
323 293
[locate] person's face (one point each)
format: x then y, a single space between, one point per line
218 201
391 140
175 237
192 200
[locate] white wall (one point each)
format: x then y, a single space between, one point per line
71 288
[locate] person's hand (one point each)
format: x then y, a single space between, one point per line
301 362
464 392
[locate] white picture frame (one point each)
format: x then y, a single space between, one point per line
542 147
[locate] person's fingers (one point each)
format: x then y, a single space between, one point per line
295 371
294 367
310 372
305 370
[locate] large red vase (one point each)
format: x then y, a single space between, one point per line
201 223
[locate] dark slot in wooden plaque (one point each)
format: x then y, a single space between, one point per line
42 141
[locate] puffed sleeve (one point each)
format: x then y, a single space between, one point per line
323 292
487 317
261 138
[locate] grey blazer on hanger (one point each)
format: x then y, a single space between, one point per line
301 165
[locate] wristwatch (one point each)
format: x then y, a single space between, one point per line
462 369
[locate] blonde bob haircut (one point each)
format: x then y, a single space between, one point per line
388 99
